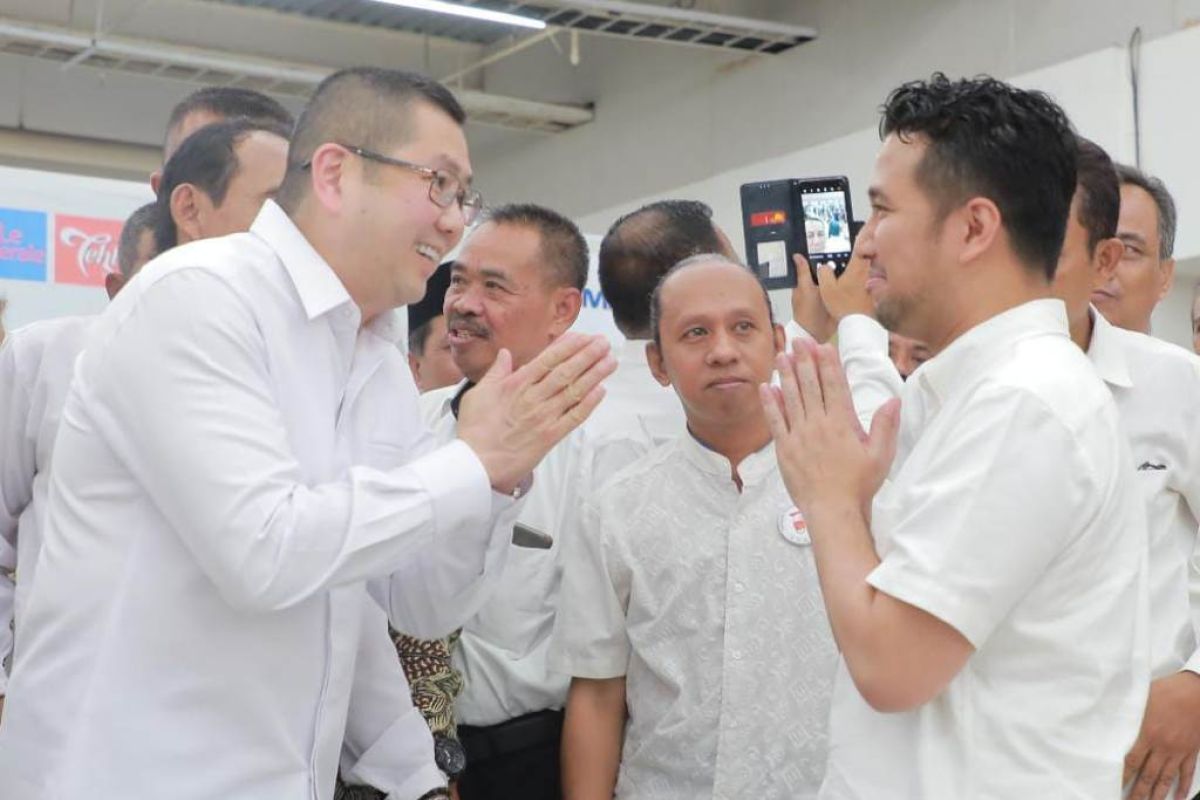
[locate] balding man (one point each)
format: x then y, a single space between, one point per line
245 482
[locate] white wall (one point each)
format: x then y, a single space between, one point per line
1095 92
666 120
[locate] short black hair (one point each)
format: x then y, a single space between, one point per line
208 160
1132 176
641 247
422 313
418 337
140 221
563 247
1099 193
366 107
229 102
987 138
691 261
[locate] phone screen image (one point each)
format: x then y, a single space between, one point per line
826 222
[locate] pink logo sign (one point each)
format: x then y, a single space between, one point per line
85 249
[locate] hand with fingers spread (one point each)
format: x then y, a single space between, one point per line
824 455
1164 754
511 419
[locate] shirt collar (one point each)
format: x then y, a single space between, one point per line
752 469
979 349
1106 353
318 286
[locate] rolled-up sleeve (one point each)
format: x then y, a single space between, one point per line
590 638
960 548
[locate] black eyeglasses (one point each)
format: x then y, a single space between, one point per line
444 188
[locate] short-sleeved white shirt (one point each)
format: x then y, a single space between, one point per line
688 589
1011 514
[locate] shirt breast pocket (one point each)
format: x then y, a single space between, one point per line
522 611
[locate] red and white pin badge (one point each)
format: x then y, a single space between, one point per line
793 527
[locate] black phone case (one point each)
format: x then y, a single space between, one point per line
786 195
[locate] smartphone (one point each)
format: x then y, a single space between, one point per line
781 218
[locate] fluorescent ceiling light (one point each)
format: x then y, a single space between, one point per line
459 10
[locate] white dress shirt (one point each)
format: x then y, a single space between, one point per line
502 650
873 380
636 415
239 463
1156 386
1011 514
687 588
36 363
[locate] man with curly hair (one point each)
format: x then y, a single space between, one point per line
982 552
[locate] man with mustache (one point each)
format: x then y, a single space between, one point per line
691 620
516 285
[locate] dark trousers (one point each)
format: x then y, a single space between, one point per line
518 758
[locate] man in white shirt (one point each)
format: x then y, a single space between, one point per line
515 285
1156 386
985 570
241 482
229 163
691 618
1146 271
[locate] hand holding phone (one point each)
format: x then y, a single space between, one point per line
810 217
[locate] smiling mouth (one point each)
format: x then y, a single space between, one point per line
429 253
463 336
1103 295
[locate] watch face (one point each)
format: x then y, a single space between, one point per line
449 756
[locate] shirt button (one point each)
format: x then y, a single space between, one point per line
737 655
739 587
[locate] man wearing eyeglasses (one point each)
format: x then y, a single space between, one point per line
242 485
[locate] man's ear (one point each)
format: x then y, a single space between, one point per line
567 302
780 337
980 225
1167 268
186 212
657 368
1108 255
155 180
327 174
414 364
113 283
